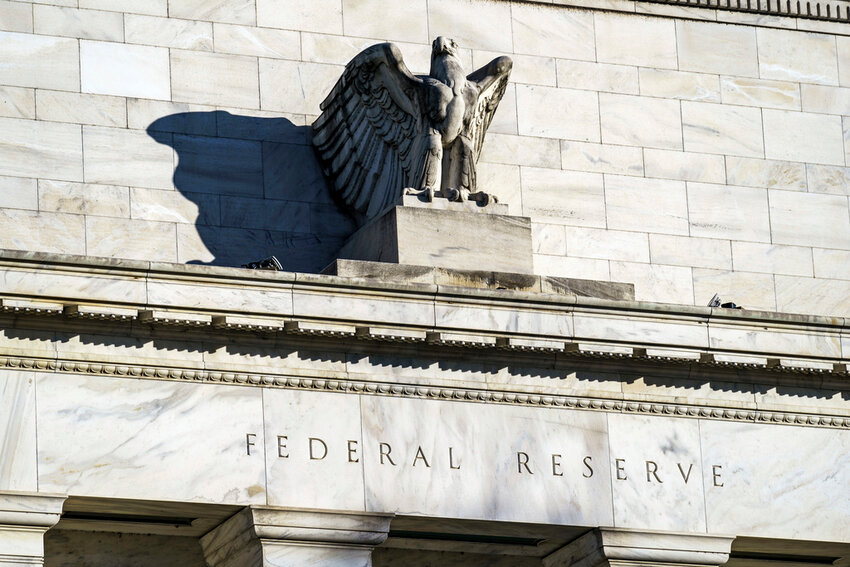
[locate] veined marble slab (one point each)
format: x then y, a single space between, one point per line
119 350
774 340
278 301
126 438
644 330
482 316
466 460
657 473
365 307
17 432
157 440
51 283
778 481
313 463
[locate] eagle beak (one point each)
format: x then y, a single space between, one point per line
441 45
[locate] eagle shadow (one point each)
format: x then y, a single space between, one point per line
259 190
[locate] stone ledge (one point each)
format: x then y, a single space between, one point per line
384 271
811 15
190 296
836 11
30 509
598 336
135 270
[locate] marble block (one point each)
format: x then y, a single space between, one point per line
39 61
657 473
317 302
272 299
474 317
501 463
24 517
128 438
269 537
480 279
609 547
444 238
17 431
124 70
313 463
793 477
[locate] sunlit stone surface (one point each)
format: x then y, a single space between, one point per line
537 382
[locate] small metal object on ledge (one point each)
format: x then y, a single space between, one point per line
717 302
270 263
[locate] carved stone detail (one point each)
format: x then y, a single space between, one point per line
428 392
615 547
24 517
385 132
259 536
825 10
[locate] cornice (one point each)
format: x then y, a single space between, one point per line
829 16
836 11
58 288
598 349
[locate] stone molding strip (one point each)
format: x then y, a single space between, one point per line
835 11
448 393
568 346
24 518
119 292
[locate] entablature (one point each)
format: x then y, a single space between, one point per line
316 332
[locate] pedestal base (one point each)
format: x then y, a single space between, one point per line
446 239
383 271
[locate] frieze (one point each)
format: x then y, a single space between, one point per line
426 392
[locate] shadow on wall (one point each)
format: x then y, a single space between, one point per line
259 190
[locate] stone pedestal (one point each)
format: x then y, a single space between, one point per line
24 517
269 537
441 235
481 279
611 547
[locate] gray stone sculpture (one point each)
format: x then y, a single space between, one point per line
385 132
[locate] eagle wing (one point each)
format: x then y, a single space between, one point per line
492 81
372 134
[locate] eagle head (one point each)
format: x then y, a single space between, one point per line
443 45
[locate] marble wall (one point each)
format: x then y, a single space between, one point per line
688 151
209 443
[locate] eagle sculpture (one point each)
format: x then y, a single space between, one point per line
385 132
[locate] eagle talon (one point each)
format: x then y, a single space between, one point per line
483 199
426 193
452 194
